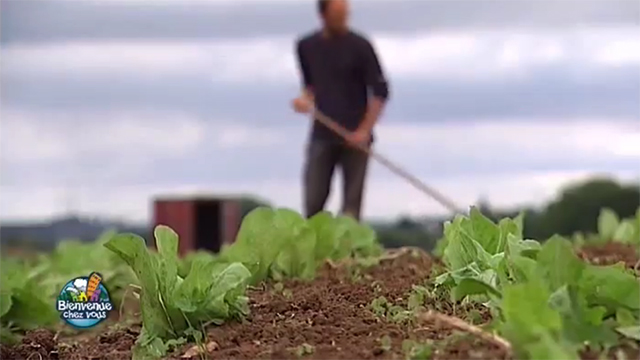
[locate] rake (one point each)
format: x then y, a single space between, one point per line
417 183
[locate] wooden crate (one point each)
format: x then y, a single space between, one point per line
201 222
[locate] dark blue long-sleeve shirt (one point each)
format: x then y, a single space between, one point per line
342 72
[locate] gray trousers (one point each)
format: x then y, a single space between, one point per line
321 160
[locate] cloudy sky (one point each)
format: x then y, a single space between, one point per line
107 103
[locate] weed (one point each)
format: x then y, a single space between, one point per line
414 350
304 349
385 343
279 289
394 313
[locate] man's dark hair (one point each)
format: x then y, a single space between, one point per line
322 6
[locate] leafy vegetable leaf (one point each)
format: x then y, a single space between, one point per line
607 223
133 250
469 286
611 286
558 263
632 332
532 324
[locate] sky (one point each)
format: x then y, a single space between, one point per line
106 104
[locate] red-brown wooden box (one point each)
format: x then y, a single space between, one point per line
201 222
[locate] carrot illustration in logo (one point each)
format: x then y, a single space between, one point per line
94 282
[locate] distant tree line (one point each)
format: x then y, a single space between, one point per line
575 209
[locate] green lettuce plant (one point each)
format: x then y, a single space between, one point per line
550 303
175 307
277 243
29 287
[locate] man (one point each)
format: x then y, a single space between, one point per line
339 71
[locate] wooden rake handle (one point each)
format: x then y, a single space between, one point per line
417 183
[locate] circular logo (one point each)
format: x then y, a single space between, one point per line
84 301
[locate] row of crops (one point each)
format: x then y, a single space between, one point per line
544 300
179 297
549 302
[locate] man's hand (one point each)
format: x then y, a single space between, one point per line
302 105
359 137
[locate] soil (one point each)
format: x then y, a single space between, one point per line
329 318
332 315
611 253
37 344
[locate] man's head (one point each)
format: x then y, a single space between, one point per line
334 14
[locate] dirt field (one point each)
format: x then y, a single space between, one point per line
610 254
329 318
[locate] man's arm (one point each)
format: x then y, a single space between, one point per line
378 86
307 88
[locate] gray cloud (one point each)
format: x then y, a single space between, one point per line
133 163
546 93
283 162
241 165
55 20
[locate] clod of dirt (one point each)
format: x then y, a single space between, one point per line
199 350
